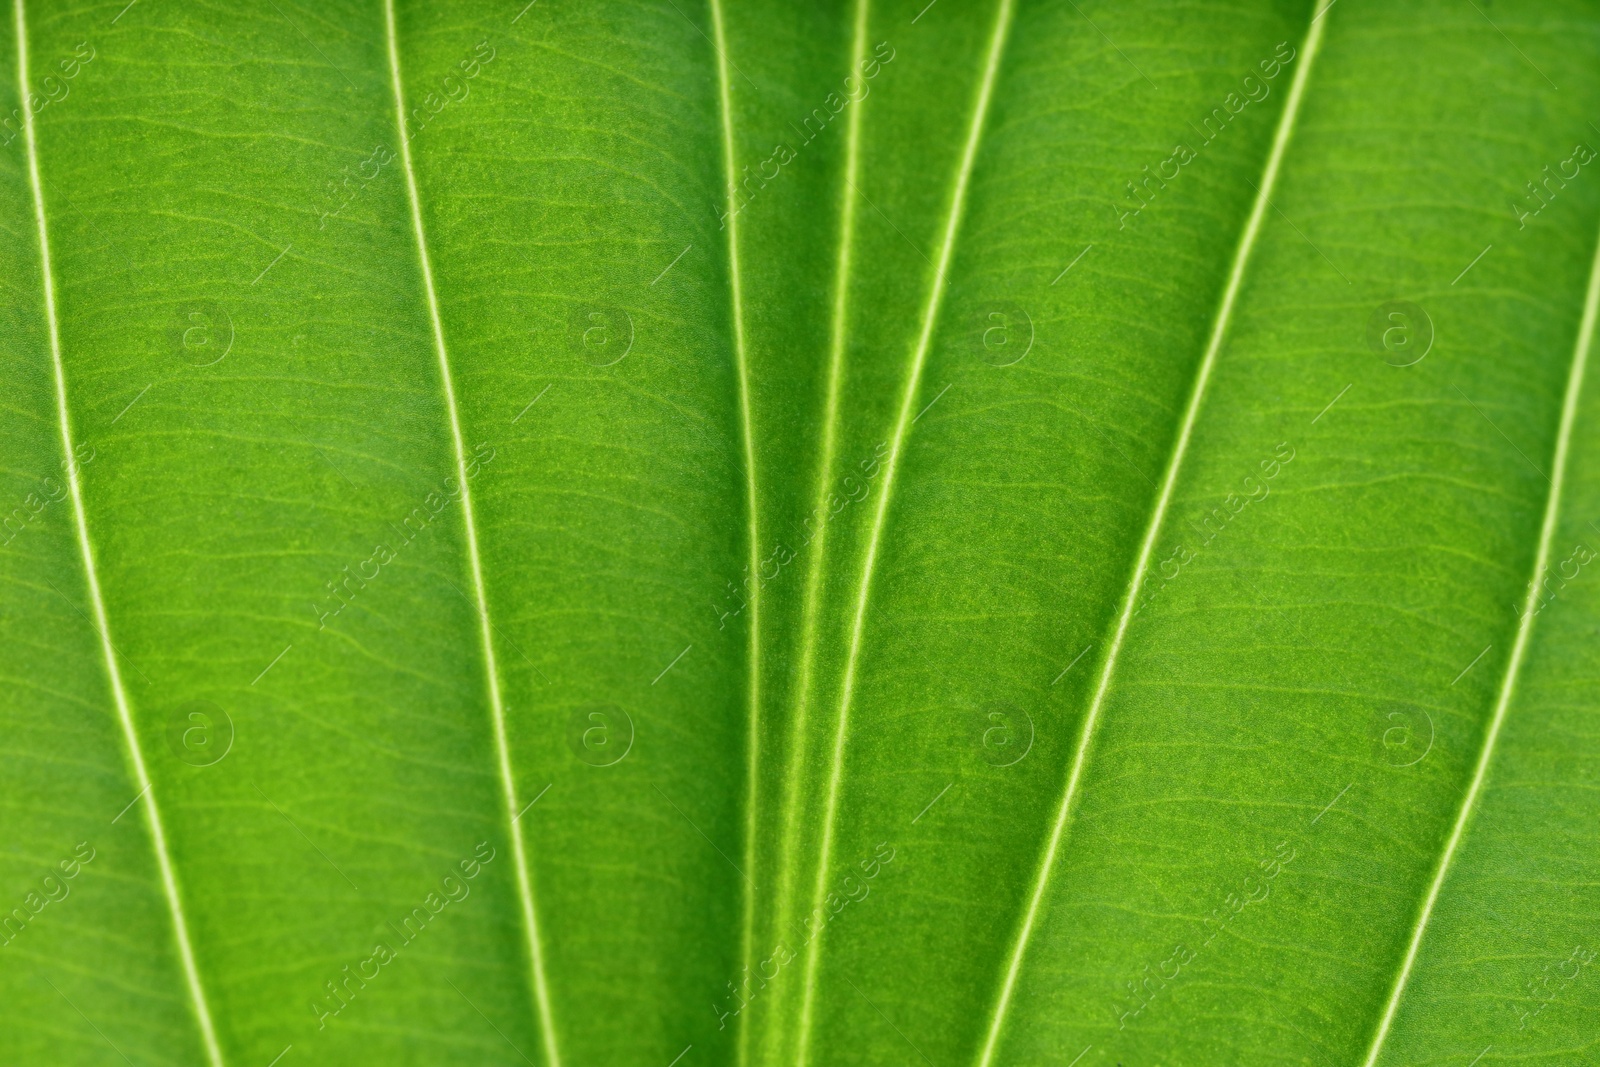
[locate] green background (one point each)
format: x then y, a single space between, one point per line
1305 683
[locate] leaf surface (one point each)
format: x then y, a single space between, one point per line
768 534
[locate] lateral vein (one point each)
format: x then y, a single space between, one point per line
742 368
508 787
838 333
158 837
1541 562
1219 330
119 692
919 356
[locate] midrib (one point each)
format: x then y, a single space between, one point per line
1541 562
508 787
902 428
1219 330
158 837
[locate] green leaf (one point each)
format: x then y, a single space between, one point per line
1032 531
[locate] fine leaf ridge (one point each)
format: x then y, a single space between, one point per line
752 532
508 784
1219 329
902 428
1508 682
158 837
790 816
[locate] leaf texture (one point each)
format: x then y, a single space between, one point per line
868 531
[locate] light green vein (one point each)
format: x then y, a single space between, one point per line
1091 719
741 363
902 428
790 814
1541 563
152 812
508 786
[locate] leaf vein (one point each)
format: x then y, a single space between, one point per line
1247 240
719 44
790 814
1541 563
169 883
508 787
902 429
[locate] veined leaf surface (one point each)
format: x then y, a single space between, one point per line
967 533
